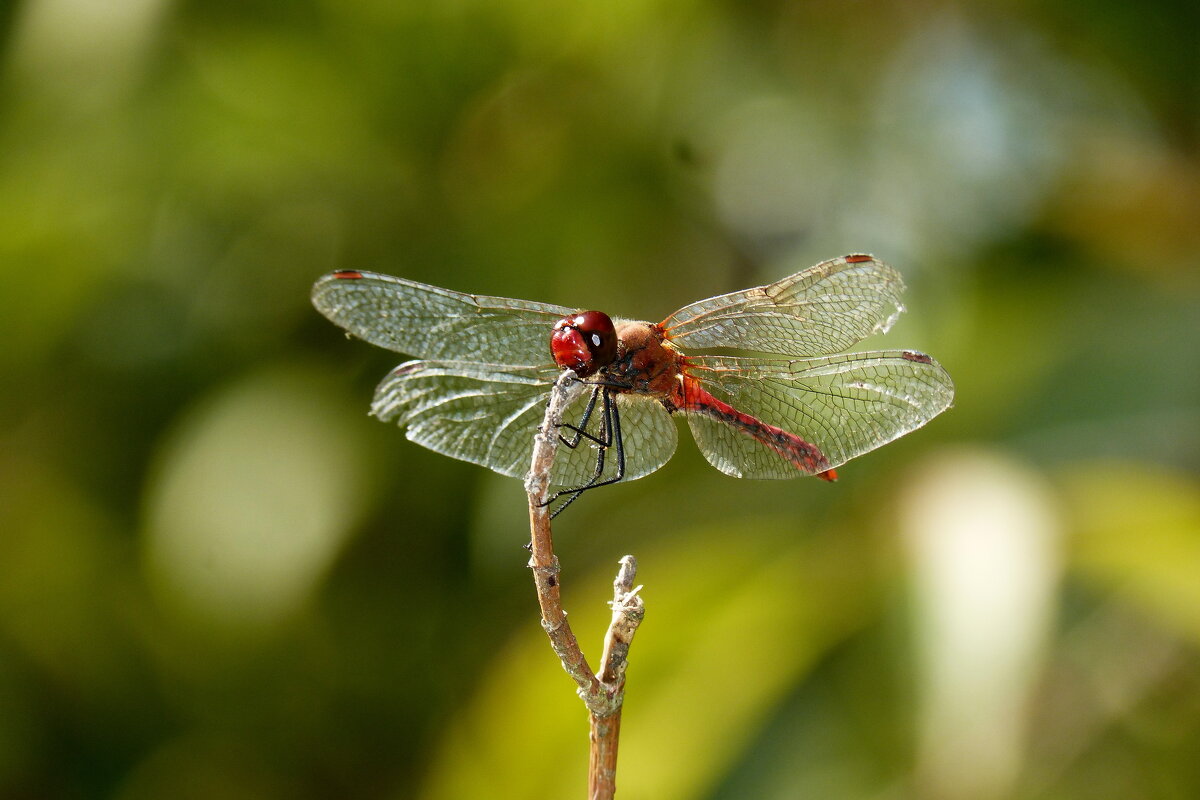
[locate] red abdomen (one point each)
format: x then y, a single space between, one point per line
804 456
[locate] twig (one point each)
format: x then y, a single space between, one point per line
606 729
603 694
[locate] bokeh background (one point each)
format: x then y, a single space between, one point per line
220 579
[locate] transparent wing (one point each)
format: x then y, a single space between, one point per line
430 322
824 309
487 414
843 405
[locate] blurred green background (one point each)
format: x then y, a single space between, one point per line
220 579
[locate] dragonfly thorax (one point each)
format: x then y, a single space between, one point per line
646 363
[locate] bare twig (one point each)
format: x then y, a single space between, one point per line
627 615
603 694
606 728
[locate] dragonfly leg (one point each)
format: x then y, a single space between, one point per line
603 441
611 430
580 430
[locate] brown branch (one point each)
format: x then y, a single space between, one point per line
603 694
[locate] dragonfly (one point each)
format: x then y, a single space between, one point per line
485 366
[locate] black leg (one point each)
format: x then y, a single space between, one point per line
580 431
603 441
611 433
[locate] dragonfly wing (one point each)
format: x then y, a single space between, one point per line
434 323
487 414
823 309
843 405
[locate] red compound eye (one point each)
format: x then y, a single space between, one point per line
585 342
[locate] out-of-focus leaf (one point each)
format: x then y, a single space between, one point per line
60 561
1137 534
254 497
194 768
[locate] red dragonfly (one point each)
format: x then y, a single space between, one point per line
487 364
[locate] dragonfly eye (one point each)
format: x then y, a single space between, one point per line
584 342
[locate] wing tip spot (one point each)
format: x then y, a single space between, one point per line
913 355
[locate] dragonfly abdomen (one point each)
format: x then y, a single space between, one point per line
803 455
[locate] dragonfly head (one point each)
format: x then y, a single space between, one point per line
584 342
